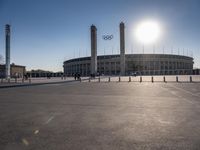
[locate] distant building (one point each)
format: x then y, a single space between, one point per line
15 71
43 73
142 64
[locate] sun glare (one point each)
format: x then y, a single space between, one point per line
147 32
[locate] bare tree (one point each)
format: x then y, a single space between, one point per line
1 59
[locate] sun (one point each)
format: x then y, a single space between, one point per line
147 32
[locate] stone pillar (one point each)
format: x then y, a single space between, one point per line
7 35
122 49
93 49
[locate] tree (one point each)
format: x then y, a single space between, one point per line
1 59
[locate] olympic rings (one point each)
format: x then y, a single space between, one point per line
107 37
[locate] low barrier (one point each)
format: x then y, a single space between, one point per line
140 79
129 79
152 79
4 81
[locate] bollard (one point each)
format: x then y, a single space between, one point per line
89 80
140 79
164 79
15 80
22 80
129 78
176 78
108 79
152 79
190 78
99 79
119 79
80 80
30 80
8 80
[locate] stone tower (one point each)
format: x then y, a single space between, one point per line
122 49
93 49
7 36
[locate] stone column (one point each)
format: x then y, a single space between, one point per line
122 49
7 34
93 49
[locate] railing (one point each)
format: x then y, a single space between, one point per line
165 79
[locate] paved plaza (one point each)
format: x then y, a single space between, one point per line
101 116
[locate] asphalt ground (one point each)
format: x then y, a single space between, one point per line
101 116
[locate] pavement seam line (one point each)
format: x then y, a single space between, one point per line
184 91
174 93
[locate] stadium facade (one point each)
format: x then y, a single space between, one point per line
127 64
142 64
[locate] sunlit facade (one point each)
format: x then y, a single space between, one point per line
142 64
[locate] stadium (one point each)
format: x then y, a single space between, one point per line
142 64
127 64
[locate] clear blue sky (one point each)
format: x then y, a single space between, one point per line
46 32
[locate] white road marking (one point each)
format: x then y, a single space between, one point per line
177 95
25 142
164 122
185 91
49 120
36 132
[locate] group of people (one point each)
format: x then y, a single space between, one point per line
77 76
92 75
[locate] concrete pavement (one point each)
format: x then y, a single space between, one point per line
118 116
36 81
